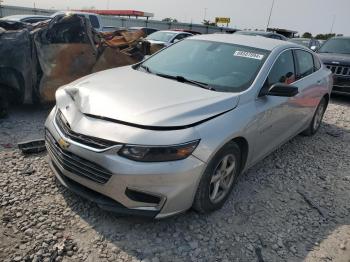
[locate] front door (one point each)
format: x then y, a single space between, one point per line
281 118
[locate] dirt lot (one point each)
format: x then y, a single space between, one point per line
292 206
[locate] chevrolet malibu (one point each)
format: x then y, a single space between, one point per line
176 130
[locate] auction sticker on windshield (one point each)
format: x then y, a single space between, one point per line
249 55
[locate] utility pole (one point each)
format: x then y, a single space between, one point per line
333 21
107 4
268 22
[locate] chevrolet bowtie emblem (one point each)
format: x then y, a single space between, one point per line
63 143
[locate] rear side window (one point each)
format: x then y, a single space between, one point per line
94 21
283 70
305 63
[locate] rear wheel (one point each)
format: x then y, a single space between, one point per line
317 119
218 179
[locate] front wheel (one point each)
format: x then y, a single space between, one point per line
317 118
218 179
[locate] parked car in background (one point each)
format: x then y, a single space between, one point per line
112 28
175 130
30 19
335 54
187 31
311 43
166 38
94 19
146 30
263 34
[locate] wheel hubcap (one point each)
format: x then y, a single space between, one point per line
318 116
222 178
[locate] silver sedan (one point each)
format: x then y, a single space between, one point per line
176 130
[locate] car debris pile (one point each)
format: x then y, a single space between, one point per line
37 59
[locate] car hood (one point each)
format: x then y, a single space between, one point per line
139 98
336 59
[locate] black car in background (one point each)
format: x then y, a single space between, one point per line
310 43
335 54
263 34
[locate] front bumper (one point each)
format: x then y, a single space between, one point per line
173 183
341 85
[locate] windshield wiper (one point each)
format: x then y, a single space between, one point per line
183 79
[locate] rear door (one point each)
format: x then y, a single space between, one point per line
309 81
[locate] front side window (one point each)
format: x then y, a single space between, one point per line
225 67
305 63
283 70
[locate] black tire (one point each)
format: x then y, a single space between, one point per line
202 201
4 104
313 127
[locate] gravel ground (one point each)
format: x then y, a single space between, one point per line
292 206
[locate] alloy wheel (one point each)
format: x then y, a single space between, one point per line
318 116
222 178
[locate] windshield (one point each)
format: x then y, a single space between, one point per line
222 66
304 42
161 36
336 45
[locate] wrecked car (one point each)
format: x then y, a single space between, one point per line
175 130
37 59
18 64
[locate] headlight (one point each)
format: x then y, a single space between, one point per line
158 153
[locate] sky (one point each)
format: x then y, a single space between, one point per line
315 16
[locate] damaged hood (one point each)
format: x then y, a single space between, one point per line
141 99
336 59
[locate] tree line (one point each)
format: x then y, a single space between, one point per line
319 36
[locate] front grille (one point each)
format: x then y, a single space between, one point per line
75 164
90 141
339 70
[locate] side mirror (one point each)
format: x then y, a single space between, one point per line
176 40
313 48
280 89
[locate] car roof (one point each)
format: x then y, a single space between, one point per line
20 17
254 32
246 40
